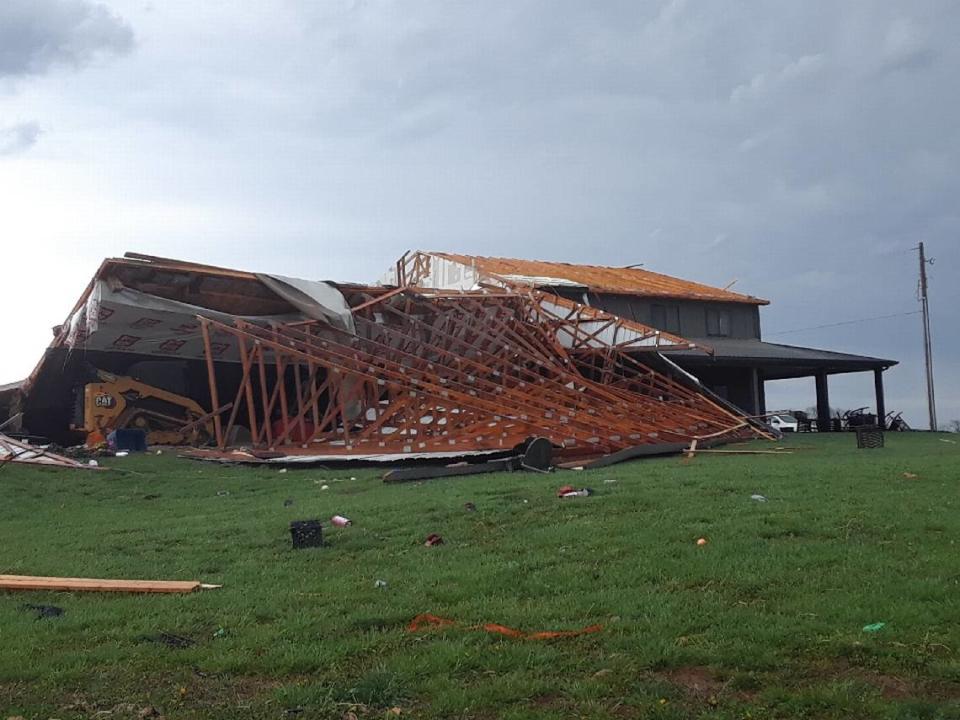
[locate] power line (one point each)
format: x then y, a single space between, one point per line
845 322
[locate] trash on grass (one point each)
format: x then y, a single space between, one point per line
44 611
426 620
340 521
306 534
433 539
701 541
874 627
759 498
382 584
170 640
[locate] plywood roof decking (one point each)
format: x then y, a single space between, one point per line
632 281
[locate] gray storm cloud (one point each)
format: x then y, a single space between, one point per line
17 138
38 34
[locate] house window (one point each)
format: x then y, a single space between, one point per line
718 322
665 317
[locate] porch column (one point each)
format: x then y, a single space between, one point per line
755 392
762 391
823 403
881 405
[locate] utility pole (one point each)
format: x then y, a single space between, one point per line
927 344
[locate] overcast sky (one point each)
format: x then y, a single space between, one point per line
801 149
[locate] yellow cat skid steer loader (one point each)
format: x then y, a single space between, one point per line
118 402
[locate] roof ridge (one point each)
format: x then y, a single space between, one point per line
718 294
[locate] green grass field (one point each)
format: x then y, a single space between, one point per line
766 620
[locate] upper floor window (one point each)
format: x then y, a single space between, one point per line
718 322
665 317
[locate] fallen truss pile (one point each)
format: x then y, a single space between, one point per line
442 373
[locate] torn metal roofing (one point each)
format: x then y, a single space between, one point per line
451 270
23 453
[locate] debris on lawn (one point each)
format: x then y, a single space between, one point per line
458 469
306 534
568 491
340 521
14 451
433 539
36 582
288 502
630 453
427 620
535 454
910 476
44 611
171 640
745 452
380 584
701 542
874 627
759 498
469 507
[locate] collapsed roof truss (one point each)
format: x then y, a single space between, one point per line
434 371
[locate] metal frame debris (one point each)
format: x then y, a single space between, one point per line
438 371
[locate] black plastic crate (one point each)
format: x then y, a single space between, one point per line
306 534
869 437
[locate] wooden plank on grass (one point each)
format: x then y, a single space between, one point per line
36 582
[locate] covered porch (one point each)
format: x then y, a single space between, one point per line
738 369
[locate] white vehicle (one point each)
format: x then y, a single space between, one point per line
784 423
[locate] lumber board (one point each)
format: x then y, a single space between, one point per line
38 582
